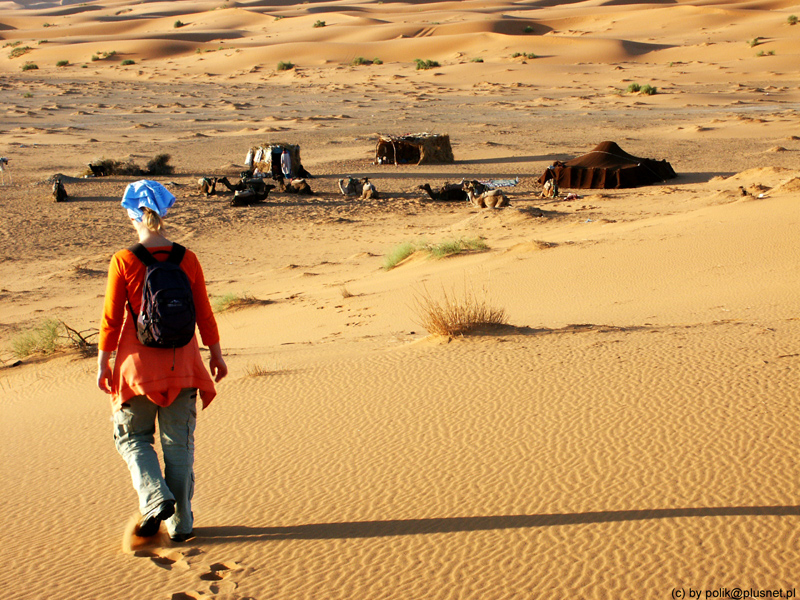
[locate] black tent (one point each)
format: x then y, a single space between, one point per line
607 166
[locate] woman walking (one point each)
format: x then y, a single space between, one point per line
149 383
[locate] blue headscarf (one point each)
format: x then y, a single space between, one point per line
146 194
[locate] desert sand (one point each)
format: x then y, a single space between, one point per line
632 432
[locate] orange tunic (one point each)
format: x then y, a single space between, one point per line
139 370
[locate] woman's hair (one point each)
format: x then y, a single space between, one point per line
152 220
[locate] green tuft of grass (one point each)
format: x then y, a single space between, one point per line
19 51
358 61
476 60
440 250
792 20
456 246
178 24
528 29
425 64
398 254
42 339
30 67
62 63
127 62
285 66
377 61
456 314
648 90
633 88
770 53
755 42
319 24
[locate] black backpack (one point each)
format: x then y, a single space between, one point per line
167 319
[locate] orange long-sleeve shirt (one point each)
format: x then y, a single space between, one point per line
139 370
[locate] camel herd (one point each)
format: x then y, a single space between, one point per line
252 190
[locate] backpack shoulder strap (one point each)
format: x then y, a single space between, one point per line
143 254
176 254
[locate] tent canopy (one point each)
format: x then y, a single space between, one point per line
413 149
607 166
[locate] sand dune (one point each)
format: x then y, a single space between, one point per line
630 432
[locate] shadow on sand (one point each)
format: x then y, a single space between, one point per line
390 528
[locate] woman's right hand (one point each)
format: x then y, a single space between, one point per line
104 372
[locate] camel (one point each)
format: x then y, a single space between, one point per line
59 193
295 186
3 169
450 192
349 186
97 170
368 191
237 187
208 185
488 199
251 196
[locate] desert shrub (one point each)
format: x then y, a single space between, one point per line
19 51
178 24
792 20
425 64
398 254
279 17
127 62
42 339
285 66
770 53
633 88
158 165
30 67
377 61
648 90
319 24
27 95
528 29
530 55
440 250
232 301
456 246
359 60
476 60
454 314
62 63
754 42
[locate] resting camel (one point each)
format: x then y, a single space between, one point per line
349 186
238 187
251 196
59 193
450 192
208 185
488 199
295 186
368 191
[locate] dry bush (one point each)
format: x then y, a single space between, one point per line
456 314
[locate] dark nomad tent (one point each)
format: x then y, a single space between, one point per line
414 149
608 166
